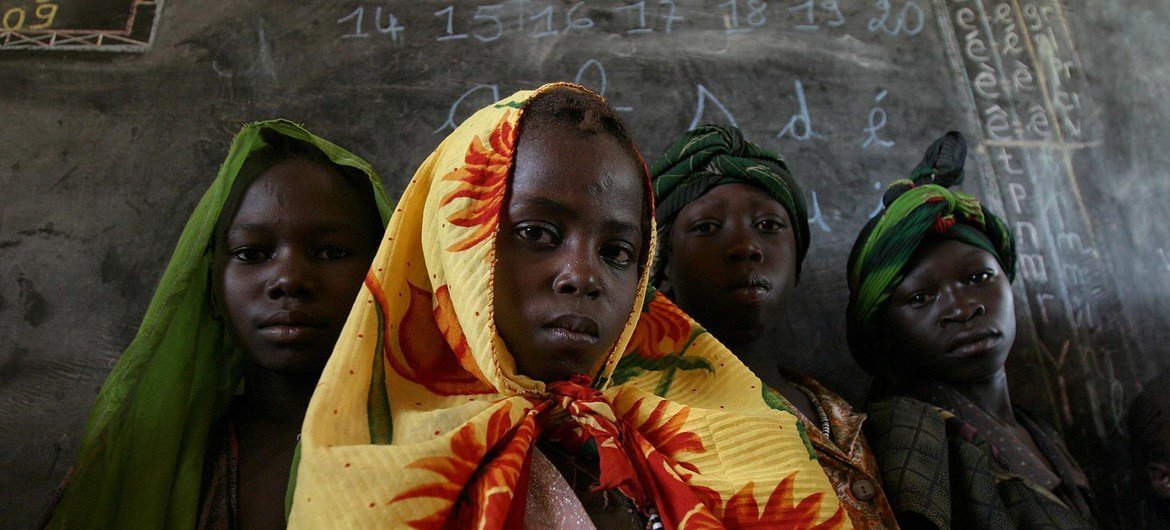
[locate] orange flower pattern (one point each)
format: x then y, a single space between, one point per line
442 370
659 344
477 499
482 178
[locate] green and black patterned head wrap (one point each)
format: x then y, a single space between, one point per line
917 210
712 155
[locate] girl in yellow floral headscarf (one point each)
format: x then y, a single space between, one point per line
472 381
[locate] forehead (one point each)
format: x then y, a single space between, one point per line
946 257
298 191
578 168
736 196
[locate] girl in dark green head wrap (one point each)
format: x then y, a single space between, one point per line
734 232
197 424
931 316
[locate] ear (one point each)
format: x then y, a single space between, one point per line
1159 479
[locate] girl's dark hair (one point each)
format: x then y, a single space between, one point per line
586 112
279 148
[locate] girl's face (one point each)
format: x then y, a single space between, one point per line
568 251
732 260
952 318
288 267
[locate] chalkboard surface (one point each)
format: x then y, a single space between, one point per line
93 25
1064 103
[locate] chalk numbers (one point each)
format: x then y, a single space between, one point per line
898 18
638 11
384 24
38 17
752 15
830 11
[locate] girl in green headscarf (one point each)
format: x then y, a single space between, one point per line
931 316
197 424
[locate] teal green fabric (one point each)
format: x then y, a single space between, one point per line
713 155
142 451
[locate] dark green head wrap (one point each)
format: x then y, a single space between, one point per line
917 210
711 155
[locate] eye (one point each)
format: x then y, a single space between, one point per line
620 254
249 255
770 226
704 227
919 300
538 234
982 277
333 253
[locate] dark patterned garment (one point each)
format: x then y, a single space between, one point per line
940 472
217 510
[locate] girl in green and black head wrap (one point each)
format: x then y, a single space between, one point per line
734 232
197 423
931 315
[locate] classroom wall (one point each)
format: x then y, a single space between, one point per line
103 154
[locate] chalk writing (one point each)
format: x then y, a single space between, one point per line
450 123
909 20
877 186
817 218
800 120
755 18
877 122
837 18
603 81
449 13
490 14
392 27
703 96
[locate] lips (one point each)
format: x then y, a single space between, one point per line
752 288
973 342
573 328
289 326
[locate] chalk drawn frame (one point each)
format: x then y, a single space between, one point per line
135 37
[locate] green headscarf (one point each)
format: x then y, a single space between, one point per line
917 210
141 458
712 155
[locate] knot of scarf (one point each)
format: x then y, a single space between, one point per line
627 460
713 155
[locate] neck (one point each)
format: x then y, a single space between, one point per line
754 351
276 398
990 394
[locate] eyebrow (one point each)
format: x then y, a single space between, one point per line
325 228
550 206
561 209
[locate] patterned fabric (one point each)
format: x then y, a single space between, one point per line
141 458
712 155
846 457
421 353
939 472
915 209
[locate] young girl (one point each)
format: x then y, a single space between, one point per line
734 230
931 315
471 386
255 296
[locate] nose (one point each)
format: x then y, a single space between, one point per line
742 246
962 309
579 277
290 277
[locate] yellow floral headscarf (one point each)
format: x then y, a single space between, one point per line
420 419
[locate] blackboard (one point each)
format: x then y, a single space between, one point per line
91 25
104 155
